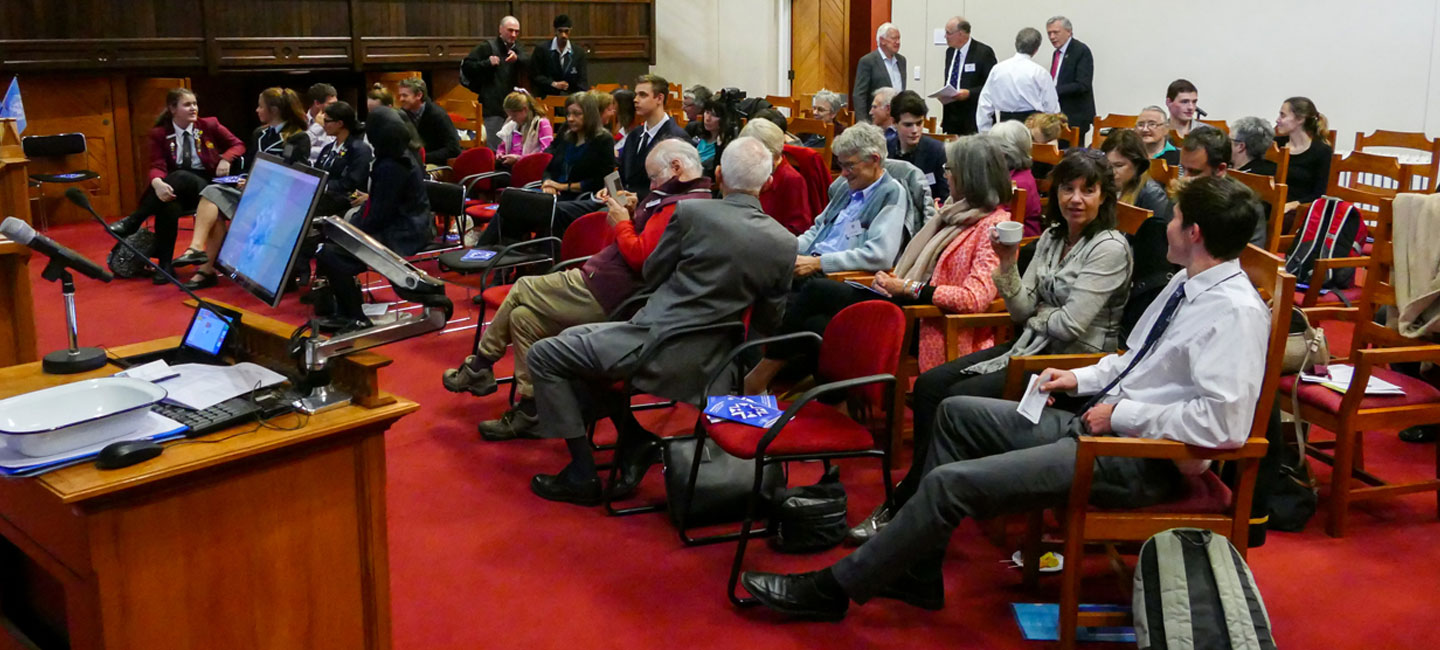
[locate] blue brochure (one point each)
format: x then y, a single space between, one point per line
477 255
754 410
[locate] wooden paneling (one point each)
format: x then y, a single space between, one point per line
96 19
469 19
74 105
822 22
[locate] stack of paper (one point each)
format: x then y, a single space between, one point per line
754 410
156 427
200 386
1339 381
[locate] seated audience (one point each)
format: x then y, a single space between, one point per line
1069 301
1192 374
1152 270
1205 152
1015 143
824 106
880 112
1183 100
621 111
651 94
541 306
861 228
1045 128
185 151
396 213
379 95
712 132
910 145
786 198
949 264
526 130
1131 164
692 101
717 261
1305 132
1250 138
778 119
282 133
320 96
437 131
1154 129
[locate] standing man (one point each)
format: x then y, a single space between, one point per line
883 67
559 67
967 66
320 96
492 70
1183 100
1018 86
437 131
1073 69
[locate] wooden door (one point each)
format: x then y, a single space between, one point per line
818 48
391 81
146 99
55 105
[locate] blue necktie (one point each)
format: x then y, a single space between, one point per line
1166 315
959 62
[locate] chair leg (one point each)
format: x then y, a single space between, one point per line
689 498
1030 550
750 508
1070 586
1340 479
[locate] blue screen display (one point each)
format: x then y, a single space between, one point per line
267 224
207 332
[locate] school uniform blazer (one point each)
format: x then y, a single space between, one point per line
214 143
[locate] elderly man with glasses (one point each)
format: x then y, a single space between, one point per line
861 228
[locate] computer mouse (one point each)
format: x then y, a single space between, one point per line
126 453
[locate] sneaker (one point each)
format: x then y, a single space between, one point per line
466 379
869 528
514 424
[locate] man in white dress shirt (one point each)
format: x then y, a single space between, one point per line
1017 86
1192 374
884 66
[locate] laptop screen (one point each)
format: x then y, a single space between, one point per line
208 331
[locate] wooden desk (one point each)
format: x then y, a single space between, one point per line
17 312
265 539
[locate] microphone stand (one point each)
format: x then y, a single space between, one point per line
75 359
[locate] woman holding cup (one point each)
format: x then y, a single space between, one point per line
949 263
1069 301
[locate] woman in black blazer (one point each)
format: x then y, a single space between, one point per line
346 160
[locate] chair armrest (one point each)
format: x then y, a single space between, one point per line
565 264
652 350
922 312
620 309
1117 447
740 349
1020 366
1385 337
865 277
1331 313
993 319
1381 356
810 396
469 181
1323 266
494 262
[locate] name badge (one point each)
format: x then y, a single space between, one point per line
930 178
652 204
853 228
969 67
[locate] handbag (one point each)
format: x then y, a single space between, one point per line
1305 346
810 518
722 490
1296 494
123 262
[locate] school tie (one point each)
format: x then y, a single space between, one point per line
959 62
1166 315
644 142
565 62
187 151
1055 65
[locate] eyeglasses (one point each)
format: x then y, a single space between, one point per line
850 166
1146 126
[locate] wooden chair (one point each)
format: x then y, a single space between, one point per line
1366 198
1273 194
1359 177
607 88
470 119
1050 155
1128 217
1111 121
677 93
1162 172
1209 503
845 118
556 105
1281 157
1219 124
942 137
801 126
930 125
1071 137
785 102
1352 413
1423 176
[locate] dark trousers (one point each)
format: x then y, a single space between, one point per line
987 460
517 226
812 303
1015 116
340 268
187 185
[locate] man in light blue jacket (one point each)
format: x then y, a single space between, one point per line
862 227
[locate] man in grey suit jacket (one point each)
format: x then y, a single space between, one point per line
884 67
717 260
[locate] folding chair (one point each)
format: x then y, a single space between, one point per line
58 147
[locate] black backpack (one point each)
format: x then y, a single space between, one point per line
123 262
1193 590
1331 228
810 518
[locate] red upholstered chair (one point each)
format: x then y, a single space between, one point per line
813 169
529 169
858 357
1206 501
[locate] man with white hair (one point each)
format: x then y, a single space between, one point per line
541 306
880 112
883 67
718 260
1072 66
492 70
861 228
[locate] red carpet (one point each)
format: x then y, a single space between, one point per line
478 562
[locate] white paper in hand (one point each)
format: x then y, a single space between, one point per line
1033 402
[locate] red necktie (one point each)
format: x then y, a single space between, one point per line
1055 65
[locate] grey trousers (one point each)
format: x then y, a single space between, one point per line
493 123
571 384
985 460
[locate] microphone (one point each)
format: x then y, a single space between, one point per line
23 234
82 200
1198 111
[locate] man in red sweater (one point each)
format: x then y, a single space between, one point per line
542 306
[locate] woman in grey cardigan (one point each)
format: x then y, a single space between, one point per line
1069 301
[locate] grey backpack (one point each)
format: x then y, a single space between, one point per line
1194 591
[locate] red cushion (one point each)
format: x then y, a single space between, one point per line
1328 297
480 211
1416 392
816 428
1201 494
496 295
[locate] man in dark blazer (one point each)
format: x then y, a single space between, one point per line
492 70
966 73
716 261
558 67
1073 68
882 68
437 131
911 145
652 92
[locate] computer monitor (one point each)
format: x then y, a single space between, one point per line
268 226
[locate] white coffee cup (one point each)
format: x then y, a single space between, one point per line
1011 232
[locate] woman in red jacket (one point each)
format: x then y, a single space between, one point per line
186 151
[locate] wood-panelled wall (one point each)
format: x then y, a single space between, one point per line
222 35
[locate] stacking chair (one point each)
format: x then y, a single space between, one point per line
56 147
509 258
1281 157
802 126
789 103
1423 176
1273 193
1103 125
1207 503
529 169
1351 414
1162 172
556 105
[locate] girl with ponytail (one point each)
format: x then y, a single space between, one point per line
1305 132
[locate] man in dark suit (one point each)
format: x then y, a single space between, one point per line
559 67
651 94
437 131
878 69
966 73
492 70
1073 68
716 260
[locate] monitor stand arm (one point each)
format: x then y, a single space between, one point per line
410 283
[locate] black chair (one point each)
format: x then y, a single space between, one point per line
56 147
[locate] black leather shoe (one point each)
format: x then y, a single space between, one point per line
202 281
924 592
158 278
555 487
634 462
1420 434
191 257
127 226
798 595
